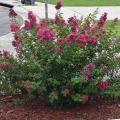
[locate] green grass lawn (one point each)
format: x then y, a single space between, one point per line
116 28
87 2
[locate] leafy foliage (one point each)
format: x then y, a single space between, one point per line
64 62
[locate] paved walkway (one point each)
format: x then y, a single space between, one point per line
4 22
39 9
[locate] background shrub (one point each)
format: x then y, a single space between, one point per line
65 62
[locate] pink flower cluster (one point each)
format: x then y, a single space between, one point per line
84 39
58 49
16 41
14 27
5 54
73 21
44 22
85 98
104 67
90 66
67 91
45 34
74 24
71 37
59 20
93 29
102 20
12 13
38 26
32 18
87 69
103 85
4 66
58 5
18 78
60 41
27 25
86 26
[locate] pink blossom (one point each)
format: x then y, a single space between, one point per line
58 49
86 73
27 25
93 29
58 5
46 34
38 26
73 21
71 37
104 16
4 66
48 47
85 98
103 85
118 57
59 20
15 43
16 38
82 39
74 29
5 53
12 13
60 41
92 40
100 23
102 20
104 67
90 66
32 18
18 78
44 22
81 44
67 91
14 27
87 23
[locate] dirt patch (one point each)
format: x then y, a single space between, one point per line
102 110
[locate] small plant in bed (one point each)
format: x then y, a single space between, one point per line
63 62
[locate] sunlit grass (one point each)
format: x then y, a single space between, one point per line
116 28
87 2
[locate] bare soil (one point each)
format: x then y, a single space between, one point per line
39 110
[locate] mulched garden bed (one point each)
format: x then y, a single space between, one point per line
102 110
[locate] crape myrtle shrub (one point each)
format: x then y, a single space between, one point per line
63 61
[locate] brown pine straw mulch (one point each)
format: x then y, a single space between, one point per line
102 110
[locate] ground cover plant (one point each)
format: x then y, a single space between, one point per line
64 62
86 2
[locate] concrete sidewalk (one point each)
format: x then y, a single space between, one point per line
39 10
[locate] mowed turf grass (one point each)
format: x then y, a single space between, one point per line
87 2
116 29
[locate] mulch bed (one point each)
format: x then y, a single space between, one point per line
102 110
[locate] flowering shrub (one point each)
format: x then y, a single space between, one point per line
62 61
